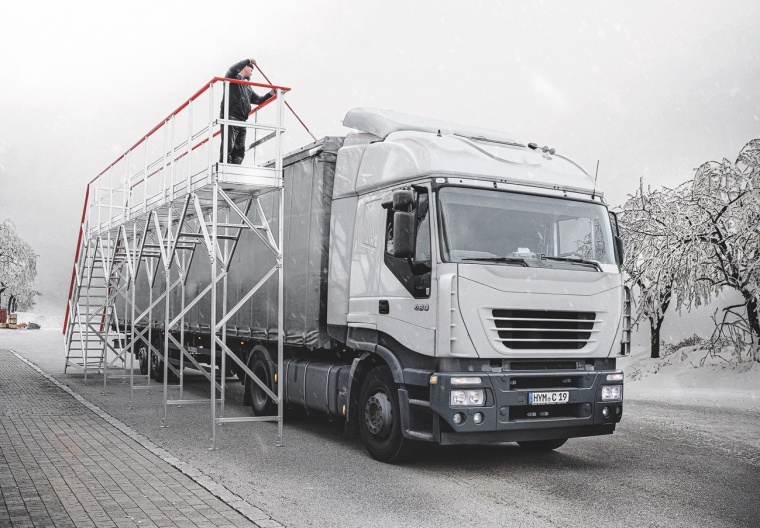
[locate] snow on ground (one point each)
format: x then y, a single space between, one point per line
689 375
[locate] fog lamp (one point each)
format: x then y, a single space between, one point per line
606 412
458 418
478 418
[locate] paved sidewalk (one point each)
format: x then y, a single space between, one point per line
65 463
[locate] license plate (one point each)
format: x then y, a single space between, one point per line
548 398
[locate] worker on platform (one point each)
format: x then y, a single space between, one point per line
241 97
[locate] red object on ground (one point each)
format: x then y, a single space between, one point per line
3 316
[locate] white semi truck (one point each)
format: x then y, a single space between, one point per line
443 283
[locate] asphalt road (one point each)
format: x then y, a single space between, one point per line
666 465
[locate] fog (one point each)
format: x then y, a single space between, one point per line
647 89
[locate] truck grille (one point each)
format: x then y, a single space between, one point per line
543 329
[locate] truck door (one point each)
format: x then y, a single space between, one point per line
405 288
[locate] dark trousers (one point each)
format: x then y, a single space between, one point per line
235 145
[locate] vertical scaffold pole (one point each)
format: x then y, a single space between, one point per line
132 340
167 310
182 330
280 271
223 368
150 325
214 242
132 288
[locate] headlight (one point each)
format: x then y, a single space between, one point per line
612 392
461 398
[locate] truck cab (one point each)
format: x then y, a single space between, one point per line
481 278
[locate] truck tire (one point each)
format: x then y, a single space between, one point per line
542 445
142 354
156 367
157 370
261 403
380 418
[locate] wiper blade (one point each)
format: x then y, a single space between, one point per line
575 260
492 140
507 260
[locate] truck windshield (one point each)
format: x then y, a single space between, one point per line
480 225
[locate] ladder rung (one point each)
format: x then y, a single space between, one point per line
187 402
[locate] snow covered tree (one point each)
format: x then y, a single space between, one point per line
18 269
685 245
661 268
723 208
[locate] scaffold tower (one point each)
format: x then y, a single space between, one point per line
165 204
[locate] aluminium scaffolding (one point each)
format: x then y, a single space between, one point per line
153 209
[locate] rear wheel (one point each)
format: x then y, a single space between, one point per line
157 370
261 403
156 367
380 418
543 445
142 355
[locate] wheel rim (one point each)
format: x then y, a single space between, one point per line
378 414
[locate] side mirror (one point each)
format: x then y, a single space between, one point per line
619 250
403 234
403 200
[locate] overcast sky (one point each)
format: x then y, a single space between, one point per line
649 89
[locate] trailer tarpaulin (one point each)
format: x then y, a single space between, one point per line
308 175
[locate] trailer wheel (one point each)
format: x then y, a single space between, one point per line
157 370
142 355
261 403
542 445
380 418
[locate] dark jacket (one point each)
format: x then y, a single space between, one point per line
241 95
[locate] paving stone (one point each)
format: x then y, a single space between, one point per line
65 463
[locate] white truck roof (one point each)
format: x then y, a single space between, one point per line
407 147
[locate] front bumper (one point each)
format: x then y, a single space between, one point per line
508 416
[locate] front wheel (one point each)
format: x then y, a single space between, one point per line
542 445
380 418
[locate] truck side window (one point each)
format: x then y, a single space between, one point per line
413 273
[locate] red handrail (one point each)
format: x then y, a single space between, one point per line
204 140
76 257
182 107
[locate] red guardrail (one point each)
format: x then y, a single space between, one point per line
76 257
